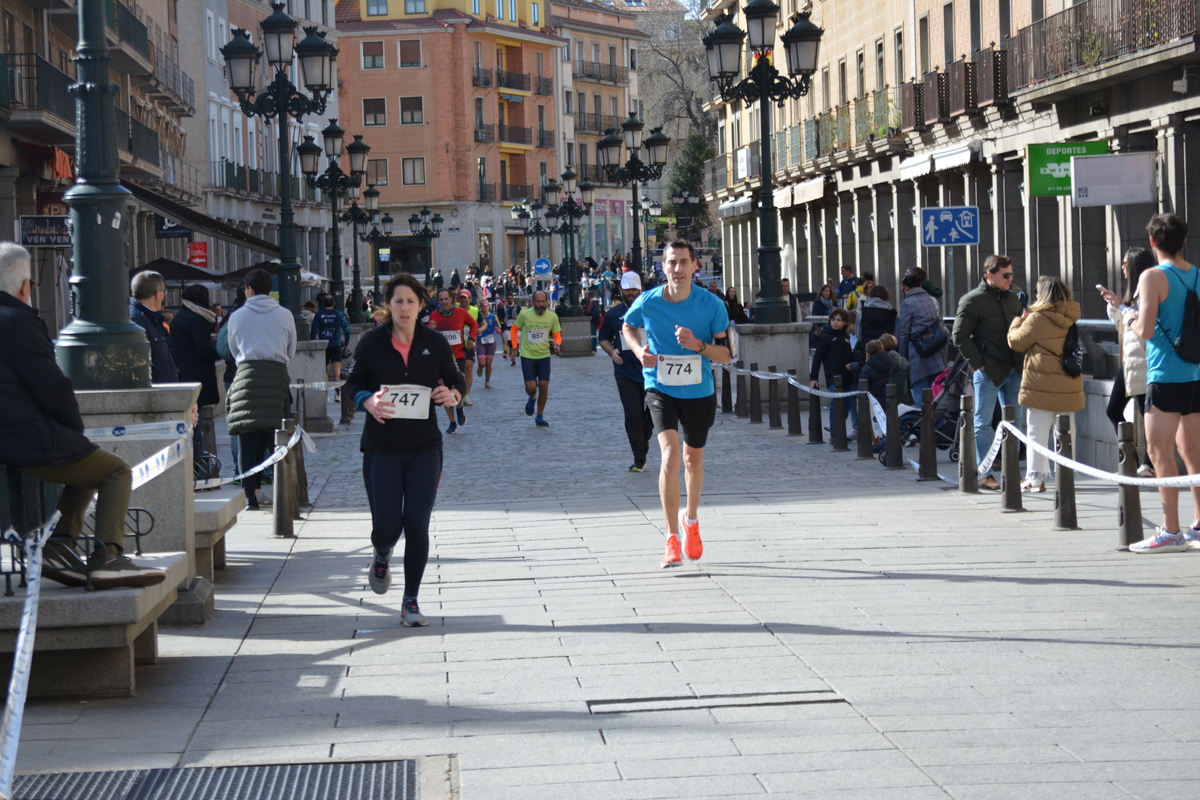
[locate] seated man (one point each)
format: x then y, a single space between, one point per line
41 435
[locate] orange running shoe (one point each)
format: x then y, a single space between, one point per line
672 558
691 538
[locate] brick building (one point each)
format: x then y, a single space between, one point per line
456 99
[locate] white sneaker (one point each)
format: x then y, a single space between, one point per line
1192 537
1161 542
1033 483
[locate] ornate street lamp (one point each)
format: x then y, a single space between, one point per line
530 216
278 101
634 170
562 205
764 83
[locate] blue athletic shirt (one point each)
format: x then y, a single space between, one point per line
1163 364
702 312
489 326
610 331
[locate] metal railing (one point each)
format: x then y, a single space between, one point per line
515 191
812 138
122 125
827 133
143 142
755 159
512 80
515 135
171 78
33 82
1089 33
482 77
487 192
596 71
228 175
545 138
131 31
842 117
485 133
912 107
544 86
937 98
5 101
595 123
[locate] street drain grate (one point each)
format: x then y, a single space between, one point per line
382 780
642 704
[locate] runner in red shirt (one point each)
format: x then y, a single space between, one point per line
460 330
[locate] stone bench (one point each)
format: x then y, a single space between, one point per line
215 512
88 643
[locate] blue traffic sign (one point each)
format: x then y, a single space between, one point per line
542 266
949 226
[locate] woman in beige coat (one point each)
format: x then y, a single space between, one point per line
1046 389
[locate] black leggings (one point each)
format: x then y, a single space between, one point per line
639 428
401 490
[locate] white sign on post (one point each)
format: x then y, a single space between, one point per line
1114 180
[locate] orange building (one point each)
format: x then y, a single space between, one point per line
456 100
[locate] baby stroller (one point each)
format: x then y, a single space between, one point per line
948 389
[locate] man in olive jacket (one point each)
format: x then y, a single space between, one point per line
981 337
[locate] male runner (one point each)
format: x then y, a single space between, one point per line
508 317
466 301
685 330
532 334
460 332
628 372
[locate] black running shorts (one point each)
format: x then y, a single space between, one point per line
1174 398
696 415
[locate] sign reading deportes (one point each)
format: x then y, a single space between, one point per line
1048 166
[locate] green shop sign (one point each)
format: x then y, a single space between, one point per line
1049 166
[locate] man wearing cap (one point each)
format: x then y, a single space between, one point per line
628 371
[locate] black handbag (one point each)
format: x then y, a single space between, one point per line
931 340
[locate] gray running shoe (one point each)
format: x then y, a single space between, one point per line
411 616
379 576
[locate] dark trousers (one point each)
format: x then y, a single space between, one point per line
401 490
99 472
252 451
638 426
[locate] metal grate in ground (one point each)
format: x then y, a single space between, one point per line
382 780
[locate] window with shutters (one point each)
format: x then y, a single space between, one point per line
411 111
374 111
377 172
414 171
410 52
372 53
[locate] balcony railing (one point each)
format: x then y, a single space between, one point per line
487 192
796 151
131 31
143 142
512 80
122 123
991 77
912 107
168 83
5 100
812 138
937 98
228 175
545 138
962 95
595 71
721 171
755 159
1092 32
33 82
515 135
482 77
594 173
842 123
827 133
485 133
515 191
595 123
544 86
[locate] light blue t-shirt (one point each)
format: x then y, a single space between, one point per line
1163 364
702 312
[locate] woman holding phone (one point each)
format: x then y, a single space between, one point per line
1130 382
401 370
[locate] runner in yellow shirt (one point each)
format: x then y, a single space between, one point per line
537 334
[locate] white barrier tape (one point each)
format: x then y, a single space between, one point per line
273 459
1178 482
779 376
161 461
985 466
145 431
18 683
324 385
878 416
309 444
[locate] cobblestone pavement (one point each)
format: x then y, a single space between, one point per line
849 633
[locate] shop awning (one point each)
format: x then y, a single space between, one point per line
956 156
810 190
736 206
915 167
197 221
783 197
177 272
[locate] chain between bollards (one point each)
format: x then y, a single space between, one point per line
773 414
927 466
1065 516
793 405
1129 500
866 431
741 407
755 395
837 418
1010 468
893 455
968 468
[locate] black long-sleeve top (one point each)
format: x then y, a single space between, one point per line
377 363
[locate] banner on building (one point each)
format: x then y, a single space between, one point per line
1114 180
167 228
1049 166
198 254
45 231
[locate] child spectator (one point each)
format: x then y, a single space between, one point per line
833 353
891 346
876 370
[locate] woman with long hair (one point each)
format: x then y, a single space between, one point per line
1046 389
401 371
1130 382
737 312
825 301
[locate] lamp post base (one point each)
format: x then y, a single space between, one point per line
99 356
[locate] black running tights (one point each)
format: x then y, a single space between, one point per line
401 490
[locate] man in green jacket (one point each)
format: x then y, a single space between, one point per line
981 337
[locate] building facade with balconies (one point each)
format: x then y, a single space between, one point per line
597 75
457 100
932 104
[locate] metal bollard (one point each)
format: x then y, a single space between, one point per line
302 402
928 457
281 517
741 405
1065 516
968 468
837 419
726 394
894 456
773 415
866 431
816 432
347 407
755 395
793 403
299 472
208 420
1129 499
1010 467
